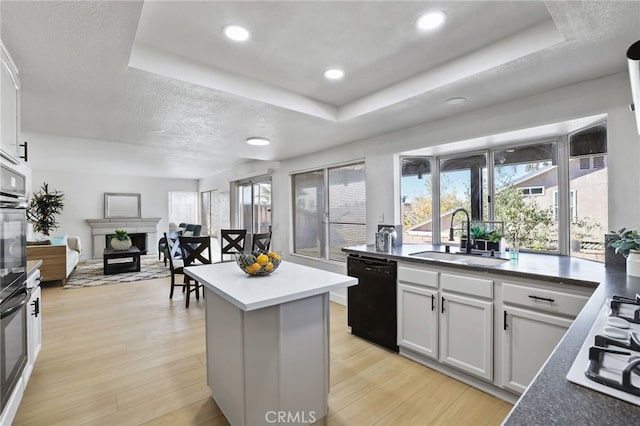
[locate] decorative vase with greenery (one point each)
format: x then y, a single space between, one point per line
43 208
121 240
627 243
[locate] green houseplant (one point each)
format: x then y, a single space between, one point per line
624 241
121 240
627 243
45 204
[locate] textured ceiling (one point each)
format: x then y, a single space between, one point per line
74 62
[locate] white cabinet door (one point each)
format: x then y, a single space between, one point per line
9 121
418 319
34 330
466 334
528 340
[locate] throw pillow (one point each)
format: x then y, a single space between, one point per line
58 241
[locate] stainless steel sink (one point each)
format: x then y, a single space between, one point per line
449 257
483 261
461 258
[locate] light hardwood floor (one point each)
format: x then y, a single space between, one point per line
127 355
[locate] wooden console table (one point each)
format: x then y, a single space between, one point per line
120 267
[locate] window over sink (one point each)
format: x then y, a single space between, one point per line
523 186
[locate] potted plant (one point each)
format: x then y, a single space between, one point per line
483 237
43 208
121 240
627 243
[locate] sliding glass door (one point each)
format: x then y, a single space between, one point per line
254 205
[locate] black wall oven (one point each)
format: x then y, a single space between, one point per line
14 295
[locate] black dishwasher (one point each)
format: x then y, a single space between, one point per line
371 305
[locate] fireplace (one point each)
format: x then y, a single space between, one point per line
137 240
143 232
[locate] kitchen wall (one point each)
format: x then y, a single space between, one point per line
84 198
609 95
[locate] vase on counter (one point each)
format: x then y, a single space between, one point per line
633 263
514 250
117 244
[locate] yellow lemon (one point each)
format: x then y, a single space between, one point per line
262 259
269 267
274 255
252 269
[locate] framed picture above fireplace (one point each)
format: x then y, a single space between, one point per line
121 205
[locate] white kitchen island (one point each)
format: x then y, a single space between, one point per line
267 340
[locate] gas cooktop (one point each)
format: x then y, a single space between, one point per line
609 359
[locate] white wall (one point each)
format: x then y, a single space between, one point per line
610 95
84 198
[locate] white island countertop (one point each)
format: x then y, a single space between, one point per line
288 283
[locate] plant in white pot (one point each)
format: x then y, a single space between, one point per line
121 240
627 243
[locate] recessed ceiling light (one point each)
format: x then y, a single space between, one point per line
258 141
456 101
236 33
431 20
334 74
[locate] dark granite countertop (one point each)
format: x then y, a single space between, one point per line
558 269
551 398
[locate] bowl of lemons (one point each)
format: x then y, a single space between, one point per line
258 262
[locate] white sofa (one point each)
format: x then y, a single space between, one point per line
58 261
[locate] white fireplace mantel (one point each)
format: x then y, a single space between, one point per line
144 225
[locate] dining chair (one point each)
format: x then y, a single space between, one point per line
174 255
261 241
195 251
162 243
231 242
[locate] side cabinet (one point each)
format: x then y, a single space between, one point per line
34 330
10 108
528 340
418 303
466 324
418 319
535 316
466 334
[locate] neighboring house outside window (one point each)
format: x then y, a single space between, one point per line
573 214
532 190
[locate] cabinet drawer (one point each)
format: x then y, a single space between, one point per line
467 285
417 276
543 299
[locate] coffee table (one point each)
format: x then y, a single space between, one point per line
120 267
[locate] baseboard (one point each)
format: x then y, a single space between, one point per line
486 387
338 298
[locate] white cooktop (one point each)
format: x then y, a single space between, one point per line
613 364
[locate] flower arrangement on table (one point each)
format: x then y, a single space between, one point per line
259 262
